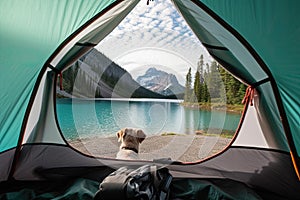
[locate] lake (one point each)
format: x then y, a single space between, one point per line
85 118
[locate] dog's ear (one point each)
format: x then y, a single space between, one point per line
141 135
119 135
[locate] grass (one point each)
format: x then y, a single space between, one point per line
170 133
212 133
236 108
226 135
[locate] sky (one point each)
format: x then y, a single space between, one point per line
154 35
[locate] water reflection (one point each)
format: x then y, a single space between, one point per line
105 117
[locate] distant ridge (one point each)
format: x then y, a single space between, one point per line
161 82
96 76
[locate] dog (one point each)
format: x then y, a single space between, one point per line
130 139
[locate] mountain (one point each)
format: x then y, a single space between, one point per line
96 76
161 82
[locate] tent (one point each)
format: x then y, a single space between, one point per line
257 41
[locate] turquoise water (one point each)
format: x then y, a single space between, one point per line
85 118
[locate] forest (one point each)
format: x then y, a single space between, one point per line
211 83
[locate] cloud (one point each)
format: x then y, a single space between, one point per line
157 25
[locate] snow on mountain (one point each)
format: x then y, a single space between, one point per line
160 82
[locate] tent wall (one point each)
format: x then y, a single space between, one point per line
255 167
232 53
272 29
258 55
6 163
243 31
262 169
33 31
256 131
42 116
92 34
221 43
46 130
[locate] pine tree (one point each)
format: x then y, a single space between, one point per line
197 87
188 87
200 68
206 95
241 92
214 81
235 90
230 93
222 92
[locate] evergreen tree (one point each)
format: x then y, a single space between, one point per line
230 92
222 94
206 95
197 87
235 90
188 86
214 81
200 68
241 92
69 77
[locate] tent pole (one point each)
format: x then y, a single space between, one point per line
24 124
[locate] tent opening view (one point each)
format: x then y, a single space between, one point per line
169 99
151 74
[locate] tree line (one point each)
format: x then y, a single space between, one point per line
212 83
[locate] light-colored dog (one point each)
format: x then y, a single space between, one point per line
130 139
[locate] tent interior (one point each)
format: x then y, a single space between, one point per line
76 72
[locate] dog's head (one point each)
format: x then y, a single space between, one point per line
131 137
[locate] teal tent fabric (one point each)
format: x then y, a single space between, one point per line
180 189
272 28
74 189
28 40
30 32
212 189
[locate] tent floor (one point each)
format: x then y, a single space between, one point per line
86 188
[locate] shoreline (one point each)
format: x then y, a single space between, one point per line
237 109
180 147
